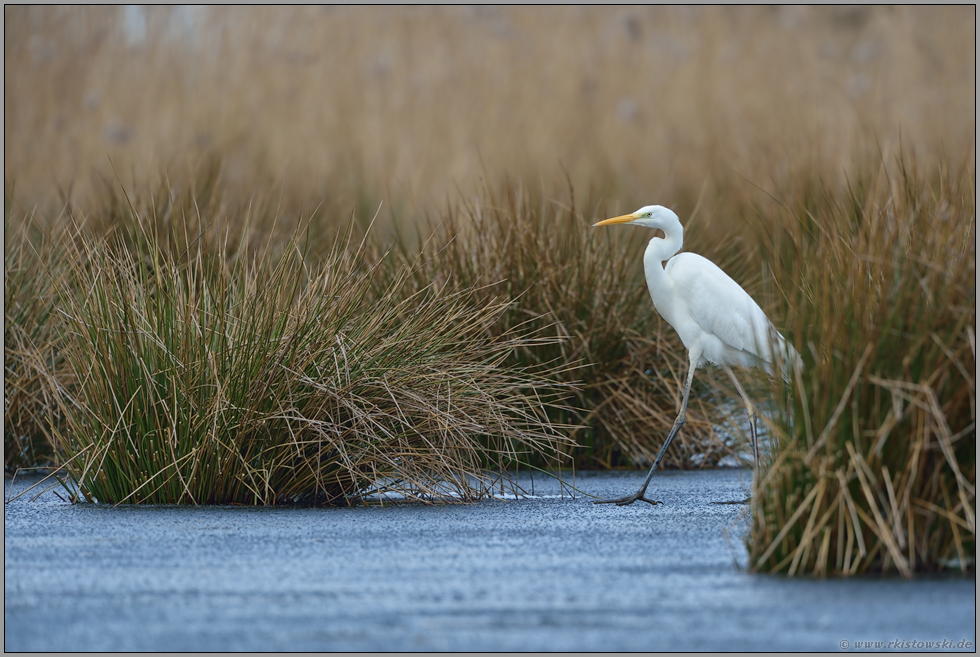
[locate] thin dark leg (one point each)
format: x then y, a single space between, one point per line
755 438
751 409
678 423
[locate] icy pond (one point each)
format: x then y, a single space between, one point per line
550 572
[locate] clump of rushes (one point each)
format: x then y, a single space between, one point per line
205 380
875 461
31 343
624 366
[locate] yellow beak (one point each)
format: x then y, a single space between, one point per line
623 219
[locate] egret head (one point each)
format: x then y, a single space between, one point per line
650 216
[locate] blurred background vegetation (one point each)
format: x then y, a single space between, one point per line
411 105
823 156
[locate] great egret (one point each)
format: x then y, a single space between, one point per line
715 318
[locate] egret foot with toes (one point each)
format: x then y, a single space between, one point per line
625 501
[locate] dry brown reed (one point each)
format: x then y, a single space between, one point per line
32 344
874 469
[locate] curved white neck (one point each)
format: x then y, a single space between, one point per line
658 282
661 249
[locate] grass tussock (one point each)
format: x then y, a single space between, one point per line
875 466
271 381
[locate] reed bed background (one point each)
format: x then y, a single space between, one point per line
179 182
409 105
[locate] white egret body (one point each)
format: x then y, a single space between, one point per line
715 318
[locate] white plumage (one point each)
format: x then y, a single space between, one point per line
728 326
715 318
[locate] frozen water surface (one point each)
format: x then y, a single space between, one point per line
545 573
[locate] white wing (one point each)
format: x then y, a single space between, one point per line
722 308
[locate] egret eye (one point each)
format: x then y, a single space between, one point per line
648 214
